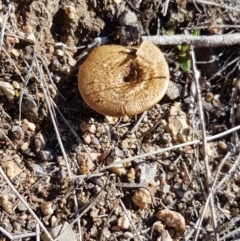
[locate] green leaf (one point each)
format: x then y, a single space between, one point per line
185 63
195 32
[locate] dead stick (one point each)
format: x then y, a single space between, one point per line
196 41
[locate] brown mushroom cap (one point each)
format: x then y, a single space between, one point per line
116 82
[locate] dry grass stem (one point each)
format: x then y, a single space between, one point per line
47 97
196 41
225 6
130 220
208 139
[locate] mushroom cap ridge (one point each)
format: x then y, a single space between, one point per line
116 82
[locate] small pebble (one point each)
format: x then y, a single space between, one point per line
39 141
31 126
31 38
87 139
27 29
45 155
70 11
92 129
83 126
111 120
85 162
24 146
222 145
142 198
118 169
131 174
12 40
71 61
95 141
158 226
47 208
15 53
123 222
21 207
172 219
100 130
16 85
59 52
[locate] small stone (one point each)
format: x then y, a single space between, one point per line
95 141
100 130
27 29
25 125
16 85
131 174
7 206
188 150
124 144
3 199
178 125
207 213
106 233
116 152
15 53
6 89
83 126
216 101
11 168
123 222
21 207
24 146
142 198
128 236
70 11
167 200
165 236
118 169
158 226
85 162
181 2
45 155
59 52
117 2
166 139
210 149
61 233
39 141
71 61
125 118
127 17
54 221
173 91
47 208
87 139
16 132
31 126
12 40
209 96
172 219
222 145
147 171
31 38
111 120
92 129
20 34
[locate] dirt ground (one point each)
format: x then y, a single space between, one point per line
171 173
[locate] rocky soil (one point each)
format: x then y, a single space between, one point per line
70 173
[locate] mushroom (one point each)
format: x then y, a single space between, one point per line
117 81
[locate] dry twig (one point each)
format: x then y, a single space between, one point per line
196 41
